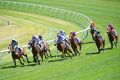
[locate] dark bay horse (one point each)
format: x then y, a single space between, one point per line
63 48
112 39
41 50
100 42
17 55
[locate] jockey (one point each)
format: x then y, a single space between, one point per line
111 28
73 34
39 40
61 39
15 45
63 33
93 26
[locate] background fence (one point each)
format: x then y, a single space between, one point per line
75 17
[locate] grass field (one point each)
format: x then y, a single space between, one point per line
88 66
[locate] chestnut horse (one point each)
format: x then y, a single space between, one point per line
16 54
75 45
112 39
100 42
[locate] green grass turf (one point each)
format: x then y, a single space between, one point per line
87 66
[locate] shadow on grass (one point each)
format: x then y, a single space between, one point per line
56 56
90 42
7 67
92 53
62 59
109 48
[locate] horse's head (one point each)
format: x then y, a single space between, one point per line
11 48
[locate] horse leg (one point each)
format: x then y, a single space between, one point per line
37 59
21 61
103 45
75 51
111 42
27 59
78 52
34 58
14 62
116 41
50 52
45 53
41 55
79 46
70 52
69 55
98 47
63 55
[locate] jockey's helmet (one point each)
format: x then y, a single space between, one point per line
93 24
13 39
109 25
61 31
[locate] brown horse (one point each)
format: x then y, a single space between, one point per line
35 52
61 47
112 39
100 42
39 49
75 45
17 55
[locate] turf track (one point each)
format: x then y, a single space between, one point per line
88 66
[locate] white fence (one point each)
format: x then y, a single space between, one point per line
75 17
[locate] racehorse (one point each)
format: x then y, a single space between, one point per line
41 49
112 39
35 52
61 47
17 55
75 45
100 42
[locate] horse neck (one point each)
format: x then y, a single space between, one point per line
92 31
13 53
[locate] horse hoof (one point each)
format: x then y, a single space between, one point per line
39 63
28 61
22 63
